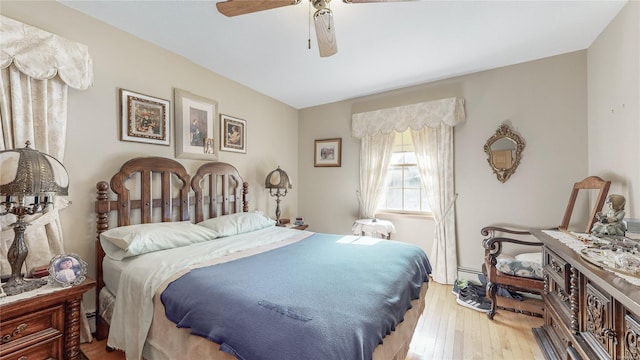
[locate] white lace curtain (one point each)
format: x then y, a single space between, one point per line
36 70
375 154
432 130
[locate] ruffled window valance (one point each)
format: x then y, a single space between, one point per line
41 55
449 111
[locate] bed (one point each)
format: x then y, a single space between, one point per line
186 271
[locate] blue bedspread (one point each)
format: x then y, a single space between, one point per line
314 299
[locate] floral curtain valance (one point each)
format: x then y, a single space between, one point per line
449 111
42 55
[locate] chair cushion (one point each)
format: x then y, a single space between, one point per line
527 265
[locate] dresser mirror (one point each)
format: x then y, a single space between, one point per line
504 151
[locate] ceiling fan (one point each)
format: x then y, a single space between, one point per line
322 18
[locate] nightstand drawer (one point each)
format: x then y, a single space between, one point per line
37 325
48 349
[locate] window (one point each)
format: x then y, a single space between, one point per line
403 190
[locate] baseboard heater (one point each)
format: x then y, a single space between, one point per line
468 270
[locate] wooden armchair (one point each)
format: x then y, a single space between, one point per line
493 244
495 241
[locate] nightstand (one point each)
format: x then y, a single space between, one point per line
297 227
287 223
45 325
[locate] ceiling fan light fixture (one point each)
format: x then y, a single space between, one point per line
325 32
320 4
323 18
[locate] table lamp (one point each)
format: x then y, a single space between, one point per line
278 184
29 180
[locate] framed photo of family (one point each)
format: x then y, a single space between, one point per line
328 153
67 270
233 134
196 126
144 118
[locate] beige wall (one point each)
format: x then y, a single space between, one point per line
614 106
545 101
93 151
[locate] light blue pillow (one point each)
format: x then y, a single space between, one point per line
125 241
238 223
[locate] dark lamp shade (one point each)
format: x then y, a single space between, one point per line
28 172
277 179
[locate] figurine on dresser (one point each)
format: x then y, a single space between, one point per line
611 223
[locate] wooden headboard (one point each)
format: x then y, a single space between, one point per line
157 189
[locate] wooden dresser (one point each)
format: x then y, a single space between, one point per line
590 313
43 326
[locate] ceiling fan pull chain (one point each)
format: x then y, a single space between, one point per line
309 25
328 7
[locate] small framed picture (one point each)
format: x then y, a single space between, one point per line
328 152
233 134
67 269
144 118
209 146
195 124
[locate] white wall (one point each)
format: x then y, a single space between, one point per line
614 106
93 151
544 100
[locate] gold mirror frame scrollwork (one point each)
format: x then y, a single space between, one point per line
504 132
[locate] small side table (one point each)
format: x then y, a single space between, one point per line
374 228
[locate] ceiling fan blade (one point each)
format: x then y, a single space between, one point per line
325 32
370 1
241 7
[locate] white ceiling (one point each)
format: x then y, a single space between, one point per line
381 46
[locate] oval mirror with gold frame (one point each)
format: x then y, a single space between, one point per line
504 151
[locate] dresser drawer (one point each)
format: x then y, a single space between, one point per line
28 329
560 336
48 349
557 269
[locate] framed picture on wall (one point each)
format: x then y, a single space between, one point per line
233 134
144 118
328 152
195 124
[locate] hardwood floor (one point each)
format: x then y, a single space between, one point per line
445 331
96 350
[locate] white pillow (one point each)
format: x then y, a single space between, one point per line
238 223
124 241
